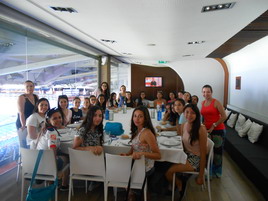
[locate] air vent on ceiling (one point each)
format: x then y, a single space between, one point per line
64 9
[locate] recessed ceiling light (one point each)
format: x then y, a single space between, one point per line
151 44
187 55
217 7
108 41
195 42
64 9
126 53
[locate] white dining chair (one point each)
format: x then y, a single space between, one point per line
207 171
47 169
118 170
84 165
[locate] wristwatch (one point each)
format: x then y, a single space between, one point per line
215 125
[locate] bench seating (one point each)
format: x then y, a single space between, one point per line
251 158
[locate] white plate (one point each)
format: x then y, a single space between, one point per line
170 143
169 134
66 139
73 125
63 130
126 143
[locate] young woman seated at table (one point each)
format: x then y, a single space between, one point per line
112 103
142 100
63 104
178 108
34 122
143 138
160 100
129 100
49 139
77 113
85 108
194 138
101 102
90 133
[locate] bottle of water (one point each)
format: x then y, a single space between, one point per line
111 115
106 114
124 107
163 107
159 113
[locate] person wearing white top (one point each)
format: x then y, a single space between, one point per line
34 122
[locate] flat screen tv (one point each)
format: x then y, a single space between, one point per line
153 82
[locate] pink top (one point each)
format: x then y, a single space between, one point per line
195 148
211 115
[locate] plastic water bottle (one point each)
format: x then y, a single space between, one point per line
111 115
106 114
163 107
124 107
159 113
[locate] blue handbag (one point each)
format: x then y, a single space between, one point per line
44 193
114 128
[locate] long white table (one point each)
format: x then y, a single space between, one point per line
172 153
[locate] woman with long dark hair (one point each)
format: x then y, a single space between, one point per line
143 138
194 138
90 133
142 100
63 104
103 89
34 122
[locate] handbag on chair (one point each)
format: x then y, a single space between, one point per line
44 193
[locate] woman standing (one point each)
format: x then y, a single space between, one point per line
34 122
26 103
214 116
122 95
194 138
90 133
63 104
103 89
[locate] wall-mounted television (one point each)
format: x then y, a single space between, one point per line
153 82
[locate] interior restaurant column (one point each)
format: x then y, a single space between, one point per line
104 73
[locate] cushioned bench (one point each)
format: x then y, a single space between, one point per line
251 158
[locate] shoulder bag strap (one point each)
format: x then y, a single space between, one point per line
129 181
39 156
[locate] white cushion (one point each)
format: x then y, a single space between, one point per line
254 132
231 120
227 112
239 123
245 127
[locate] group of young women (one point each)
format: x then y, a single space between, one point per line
186 119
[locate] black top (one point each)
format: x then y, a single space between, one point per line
76 116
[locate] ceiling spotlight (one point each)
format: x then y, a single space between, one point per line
151 44
108 41
195 42
217 7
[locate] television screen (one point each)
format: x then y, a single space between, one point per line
153 81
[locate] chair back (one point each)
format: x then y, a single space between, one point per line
47 165
86 163
118 169
210 154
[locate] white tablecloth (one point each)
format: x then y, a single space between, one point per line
173 154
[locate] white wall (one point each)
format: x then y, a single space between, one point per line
251 63
195 74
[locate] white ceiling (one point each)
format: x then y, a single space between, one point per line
133 24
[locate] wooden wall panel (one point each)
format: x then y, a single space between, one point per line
171 81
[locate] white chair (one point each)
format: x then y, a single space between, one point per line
47 169
84 165
118 170
207 170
